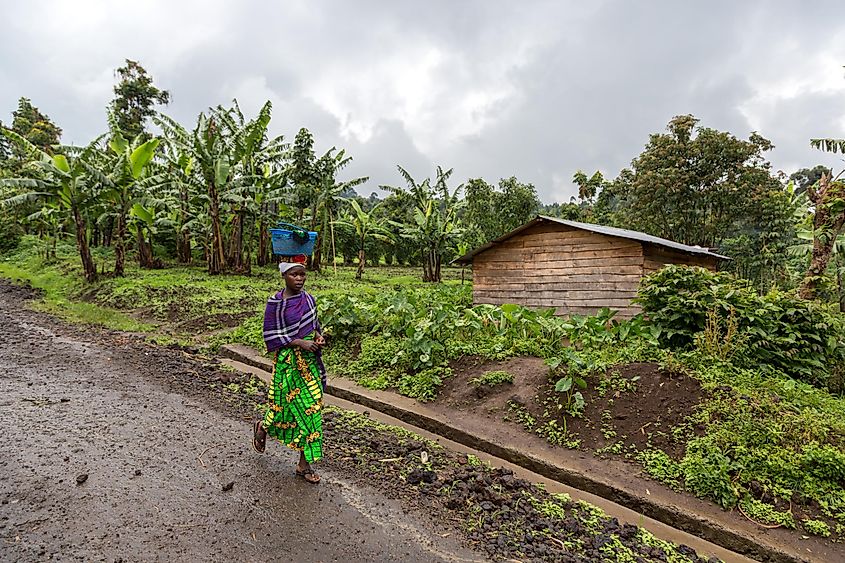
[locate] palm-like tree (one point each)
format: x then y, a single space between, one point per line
120 172
208 153
328 199
231 162
367 226
61 180
435 220
257 181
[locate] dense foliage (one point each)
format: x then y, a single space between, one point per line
773 331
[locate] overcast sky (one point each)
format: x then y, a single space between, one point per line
492 89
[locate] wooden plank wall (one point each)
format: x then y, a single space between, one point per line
655 257
574 271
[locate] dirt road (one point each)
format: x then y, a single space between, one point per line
107 455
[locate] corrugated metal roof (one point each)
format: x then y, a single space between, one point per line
600 229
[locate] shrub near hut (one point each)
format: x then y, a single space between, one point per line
774 331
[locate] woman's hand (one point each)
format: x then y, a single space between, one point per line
320 340
307 345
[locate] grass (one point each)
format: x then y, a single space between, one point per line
62 286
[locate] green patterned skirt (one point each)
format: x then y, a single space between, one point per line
294 410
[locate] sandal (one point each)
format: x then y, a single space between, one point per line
305 473
258 444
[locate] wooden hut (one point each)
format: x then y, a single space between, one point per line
577 268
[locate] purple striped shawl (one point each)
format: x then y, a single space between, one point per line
287 319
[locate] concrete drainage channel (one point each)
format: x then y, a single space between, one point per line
668 522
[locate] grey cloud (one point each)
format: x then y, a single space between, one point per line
563 85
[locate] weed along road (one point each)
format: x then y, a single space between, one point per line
106 454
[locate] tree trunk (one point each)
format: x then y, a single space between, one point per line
120 245
183 247
145 251
316 261
313 262
826 224
841 290
88 267
431 266
216 254
236 245
334 250
108 232
263 257
183 237
361 261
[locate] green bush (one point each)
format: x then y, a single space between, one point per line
817 528
778 330
423 386
708 474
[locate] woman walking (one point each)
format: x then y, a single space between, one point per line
294 409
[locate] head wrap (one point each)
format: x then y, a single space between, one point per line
285 266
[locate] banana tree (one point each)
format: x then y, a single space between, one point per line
48 222
257 172
435 220
121 172
146 226
327 202
209 151
367 226
61 180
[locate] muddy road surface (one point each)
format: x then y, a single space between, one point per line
107 455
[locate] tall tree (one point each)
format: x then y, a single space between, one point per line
807 177
256 175
302 172
517 203
36 128
490 212
479 213
119 173
328 198
135 96
828 198
695 184
208 154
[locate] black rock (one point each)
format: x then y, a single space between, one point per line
415 477
81 478
228 486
